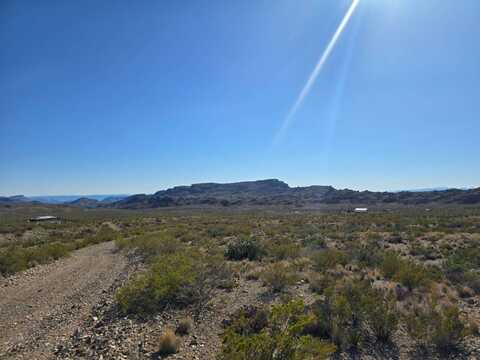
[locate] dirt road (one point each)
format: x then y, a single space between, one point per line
45 305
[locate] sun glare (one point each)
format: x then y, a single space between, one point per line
316 71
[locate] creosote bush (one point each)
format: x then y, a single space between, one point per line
348 309
463 266
278 276
17 258
243 248
178 279
436 325
275 334
166 281
329 259
407 272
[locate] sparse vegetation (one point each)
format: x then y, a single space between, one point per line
57 243
365 277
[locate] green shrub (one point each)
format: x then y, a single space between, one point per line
462 267
13 260
17 258
366 255
282 336
348 309
329 259
380 314
412 275
153 244
339 315
440 327
278 276
391 264
165 282
406 272
315 240
175 279
319 283
243 248
284 250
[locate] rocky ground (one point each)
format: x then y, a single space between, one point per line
66 310
43 306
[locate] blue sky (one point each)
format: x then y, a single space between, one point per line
135 96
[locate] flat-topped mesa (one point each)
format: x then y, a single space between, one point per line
258 187
273 192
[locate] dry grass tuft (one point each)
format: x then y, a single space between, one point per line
184 326
168 343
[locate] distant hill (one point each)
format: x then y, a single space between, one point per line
84 202
64 199
87 202
441 188
14 199
276 192
271 192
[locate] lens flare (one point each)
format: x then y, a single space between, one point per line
316 71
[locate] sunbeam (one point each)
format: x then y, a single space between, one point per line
316 71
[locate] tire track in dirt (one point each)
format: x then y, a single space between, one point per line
44 306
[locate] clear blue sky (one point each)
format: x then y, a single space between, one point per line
134 96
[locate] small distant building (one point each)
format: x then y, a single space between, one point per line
46 218
360 210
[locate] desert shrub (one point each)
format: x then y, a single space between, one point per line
284 250
412 275
211 272
105 233
339 315
168 343
13 260
366 255
315 240
472 280
123 243
329 259
177 279
243 248
462 267
282 336
348 308
428 252
440 327
17 258
390 264
151 245
407 272
278 276
320 282
380 314
166 281
184 326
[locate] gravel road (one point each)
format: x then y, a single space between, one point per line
43 306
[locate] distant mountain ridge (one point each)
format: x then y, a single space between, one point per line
62 199
276 192
270 192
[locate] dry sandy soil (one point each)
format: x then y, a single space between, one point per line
45 305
